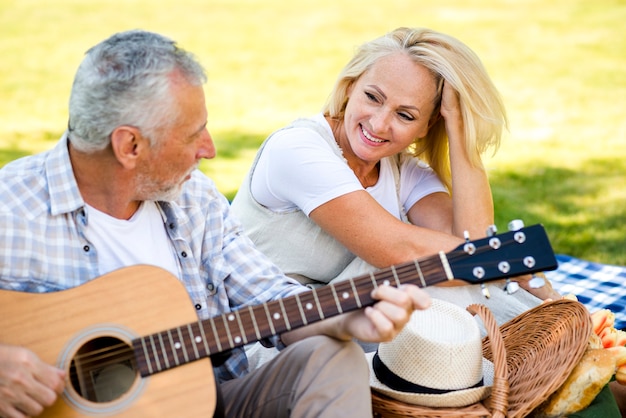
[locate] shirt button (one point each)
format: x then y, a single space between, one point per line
210 287
198 306
86 248
172 225
183 254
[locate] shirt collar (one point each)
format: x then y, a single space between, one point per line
64 194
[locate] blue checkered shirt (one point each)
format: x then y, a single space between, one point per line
43 246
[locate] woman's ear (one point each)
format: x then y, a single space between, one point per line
127 143
434 118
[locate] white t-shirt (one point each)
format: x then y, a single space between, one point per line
298 169
142 239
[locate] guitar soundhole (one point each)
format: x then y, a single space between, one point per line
103 369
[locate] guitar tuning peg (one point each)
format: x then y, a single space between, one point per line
485 291
511 286
516 225
466 236
491 230
537 281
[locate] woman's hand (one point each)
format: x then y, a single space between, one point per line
450 104
545 292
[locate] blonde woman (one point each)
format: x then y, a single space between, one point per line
389 171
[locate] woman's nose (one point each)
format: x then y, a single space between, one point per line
380 122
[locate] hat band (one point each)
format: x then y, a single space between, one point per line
395 382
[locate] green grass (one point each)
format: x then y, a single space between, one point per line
560 65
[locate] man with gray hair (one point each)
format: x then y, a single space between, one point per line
121 188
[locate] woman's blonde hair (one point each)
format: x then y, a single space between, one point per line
449 60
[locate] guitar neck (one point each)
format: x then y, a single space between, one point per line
181 345
514 253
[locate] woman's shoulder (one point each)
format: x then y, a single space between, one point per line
315 127
306 134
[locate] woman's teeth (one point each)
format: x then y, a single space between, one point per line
368 136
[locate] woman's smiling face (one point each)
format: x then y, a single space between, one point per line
389 106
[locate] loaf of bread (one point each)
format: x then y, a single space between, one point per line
582 386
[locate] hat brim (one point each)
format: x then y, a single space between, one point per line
454 399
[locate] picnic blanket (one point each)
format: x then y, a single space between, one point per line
597 286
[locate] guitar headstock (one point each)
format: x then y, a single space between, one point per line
522 251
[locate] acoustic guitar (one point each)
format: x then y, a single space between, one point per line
132 345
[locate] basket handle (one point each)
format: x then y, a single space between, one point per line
497 402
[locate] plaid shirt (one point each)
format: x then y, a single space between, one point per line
43 246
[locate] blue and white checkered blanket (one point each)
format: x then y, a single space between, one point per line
597 286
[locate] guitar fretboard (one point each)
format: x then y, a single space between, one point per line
174 347
510 254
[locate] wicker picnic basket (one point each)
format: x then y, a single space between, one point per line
532 354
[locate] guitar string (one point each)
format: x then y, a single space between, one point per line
429 266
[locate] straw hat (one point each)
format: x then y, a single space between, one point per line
436 360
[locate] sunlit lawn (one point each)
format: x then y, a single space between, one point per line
560 65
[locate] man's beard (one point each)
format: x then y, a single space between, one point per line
147 189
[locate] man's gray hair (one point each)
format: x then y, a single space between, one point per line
124 80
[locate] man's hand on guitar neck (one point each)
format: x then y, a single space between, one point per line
27 384
377 323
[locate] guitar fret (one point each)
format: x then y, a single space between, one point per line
164 350
419 272
317 302
205 342
285 318
146 355
446 265
280 323
307 300
231 317
242 329
259 313
365 295
269 319
332 287
395 275
293 308
346 293
173 345
356 294
156 356
254 323
216 336
192 340
183 345
374 282
302 315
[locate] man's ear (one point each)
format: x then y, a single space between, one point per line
127 143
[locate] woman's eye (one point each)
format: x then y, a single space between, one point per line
406 116
371 97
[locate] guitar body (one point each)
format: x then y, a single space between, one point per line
116 307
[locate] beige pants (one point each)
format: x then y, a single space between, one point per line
318 377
